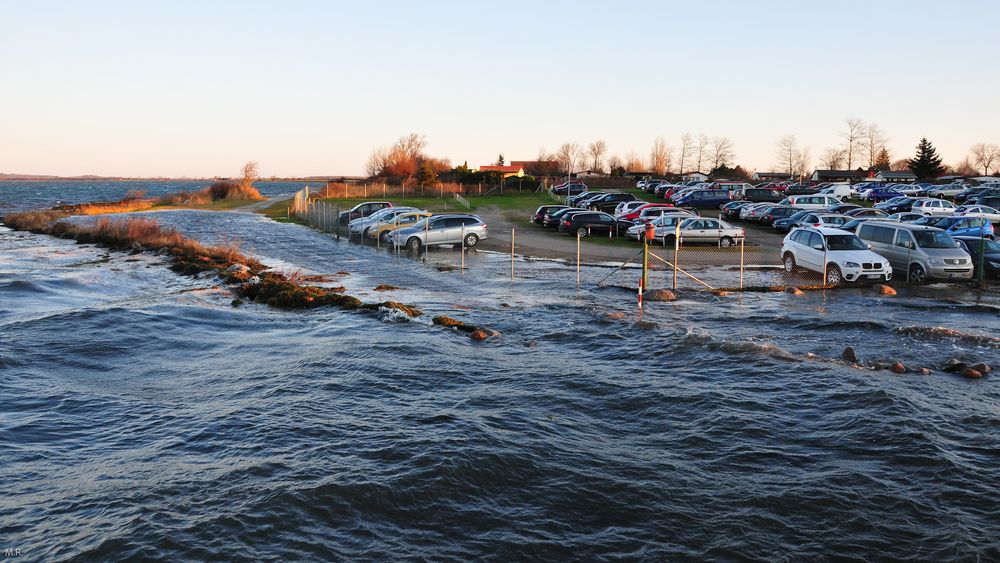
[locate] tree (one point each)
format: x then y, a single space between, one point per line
964 168
986 156
803 161
687 148
634 163
883 161
659 157
926 165
872 141
832 158
500 160
722 152
900 165
249 174
788 153
616 166
597 150
568 155
852 138
426 176
701 150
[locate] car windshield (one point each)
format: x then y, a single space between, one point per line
934 239
845 242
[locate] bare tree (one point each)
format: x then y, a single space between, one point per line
852 139
615 163
872 141
963 168
788 153
634 162
249 174
659 157
803 161
687 148
722 152
832 158
376 162
702 149
901 165
597 150
986 156
569 155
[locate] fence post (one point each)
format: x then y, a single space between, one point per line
824 264
463 249
677 248
578 258
742 246
337 216
366 190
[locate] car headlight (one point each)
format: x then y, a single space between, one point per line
852 264
935 261
994 263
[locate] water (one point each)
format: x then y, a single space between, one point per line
141 415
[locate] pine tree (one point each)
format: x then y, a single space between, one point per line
500 160
426 176
927 164
882 161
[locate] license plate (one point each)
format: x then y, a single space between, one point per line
873 276
957 275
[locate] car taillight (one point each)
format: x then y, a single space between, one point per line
566 222
484 226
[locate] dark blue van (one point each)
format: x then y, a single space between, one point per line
704 199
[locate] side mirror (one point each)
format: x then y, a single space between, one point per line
869 246
818 246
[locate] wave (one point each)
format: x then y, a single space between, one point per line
940 332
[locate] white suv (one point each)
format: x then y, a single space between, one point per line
812 202
933 207
842 255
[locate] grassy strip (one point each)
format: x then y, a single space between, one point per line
249 278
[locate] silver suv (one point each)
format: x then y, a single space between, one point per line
441 229
922 252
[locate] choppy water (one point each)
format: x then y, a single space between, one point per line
143 416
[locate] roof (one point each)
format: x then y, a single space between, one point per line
896 174
838 174
494 168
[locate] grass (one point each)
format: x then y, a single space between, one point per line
278 211
523 200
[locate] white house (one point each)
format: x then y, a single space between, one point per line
694 177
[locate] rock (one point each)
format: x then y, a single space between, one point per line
136 247
343 273
880 365
925 371
254 280
616 316
953 365
884 289
898 367
530 343
981 368
386 287
236 302
794 291
505 304
972 374
478 335
722 293
849 356
492 333
660 295
237 269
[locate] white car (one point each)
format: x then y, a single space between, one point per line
947 190
812 202
663 226
627 207
359 226
933 207
983 211
841 255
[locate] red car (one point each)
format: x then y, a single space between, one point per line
634 214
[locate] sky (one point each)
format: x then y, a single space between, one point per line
178 88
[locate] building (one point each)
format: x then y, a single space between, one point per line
771 176
899 177
838 175
589 174
506 171
539 167
694 177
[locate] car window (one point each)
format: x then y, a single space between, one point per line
814 239
710 225
903 239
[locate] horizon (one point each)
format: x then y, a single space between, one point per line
183 89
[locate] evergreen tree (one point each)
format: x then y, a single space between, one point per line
882 160
927 164
426 176
500 160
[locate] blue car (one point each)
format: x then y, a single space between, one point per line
883 194
962 226
704 199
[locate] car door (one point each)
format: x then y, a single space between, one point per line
902 247
437 230
712 231
809 256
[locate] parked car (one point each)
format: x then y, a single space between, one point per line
634 214
946 190
608 202
907 217
988 201
842 207
914 190
359 226
852 225
896 205
662 226
842 256
881 194
650 213
982 251
732 209
811 202
383 229
824 220
361 210
593 222
979 211
959 226
969 193
626 207
538 217
788 223
441 229
770 214
865 212
920 251
569 188
798 189
753 211
704 199
573 200
930 206
762 195
553 218
837 190
705 229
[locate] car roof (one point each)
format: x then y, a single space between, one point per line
907 226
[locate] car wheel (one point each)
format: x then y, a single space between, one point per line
789 261
833 275
726 242
669 240
384 237
581 232
917 274
414 244
364 233
471 240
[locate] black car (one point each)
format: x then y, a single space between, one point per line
593 222
608 202
361 210
538 217
897 205
762 195
985 252
771 214
731 210
989 201
853 224
570 189
575 200
969 193
866 212
551 220
785 225
800 189
842 208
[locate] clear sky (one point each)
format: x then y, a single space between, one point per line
309 88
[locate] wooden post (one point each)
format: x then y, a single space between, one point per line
578 258
742 246
677 248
